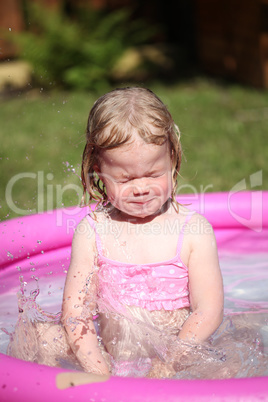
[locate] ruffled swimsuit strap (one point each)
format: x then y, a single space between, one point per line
92 223
182 232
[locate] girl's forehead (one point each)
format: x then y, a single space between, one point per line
136 152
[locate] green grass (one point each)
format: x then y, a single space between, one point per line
223 134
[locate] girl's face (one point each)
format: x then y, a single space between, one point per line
137 177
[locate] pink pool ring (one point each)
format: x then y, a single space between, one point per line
240 221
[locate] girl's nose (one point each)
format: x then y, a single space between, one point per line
140 187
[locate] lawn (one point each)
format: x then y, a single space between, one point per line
223 133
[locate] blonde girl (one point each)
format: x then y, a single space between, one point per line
144 283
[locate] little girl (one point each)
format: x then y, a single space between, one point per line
144 265
147 266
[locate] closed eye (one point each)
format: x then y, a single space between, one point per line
122 180
153 175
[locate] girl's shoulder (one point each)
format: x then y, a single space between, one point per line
197 232
192 216
192 222
91 224
92 218
84 231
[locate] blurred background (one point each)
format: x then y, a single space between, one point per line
207 60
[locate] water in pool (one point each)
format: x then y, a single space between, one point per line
239 348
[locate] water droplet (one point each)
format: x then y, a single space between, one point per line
35 293
10 29
9 255
39 241
35 278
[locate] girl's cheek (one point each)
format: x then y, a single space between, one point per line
123 190
115 192
110 191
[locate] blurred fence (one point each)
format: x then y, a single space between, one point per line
233 39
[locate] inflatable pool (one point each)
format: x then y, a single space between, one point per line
39 246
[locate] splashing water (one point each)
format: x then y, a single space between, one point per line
239 348
71 168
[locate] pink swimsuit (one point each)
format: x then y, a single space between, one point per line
152 286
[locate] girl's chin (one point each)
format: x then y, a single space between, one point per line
140 211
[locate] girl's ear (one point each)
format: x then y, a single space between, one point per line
97 169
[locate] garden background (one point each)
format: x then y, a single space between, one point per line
212 75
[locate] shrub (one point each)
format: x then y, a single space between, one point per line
78 52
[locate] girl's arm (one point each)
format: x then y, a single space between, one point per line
205 284
79 301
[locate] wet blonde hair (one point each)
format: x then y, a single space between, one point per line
110 123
